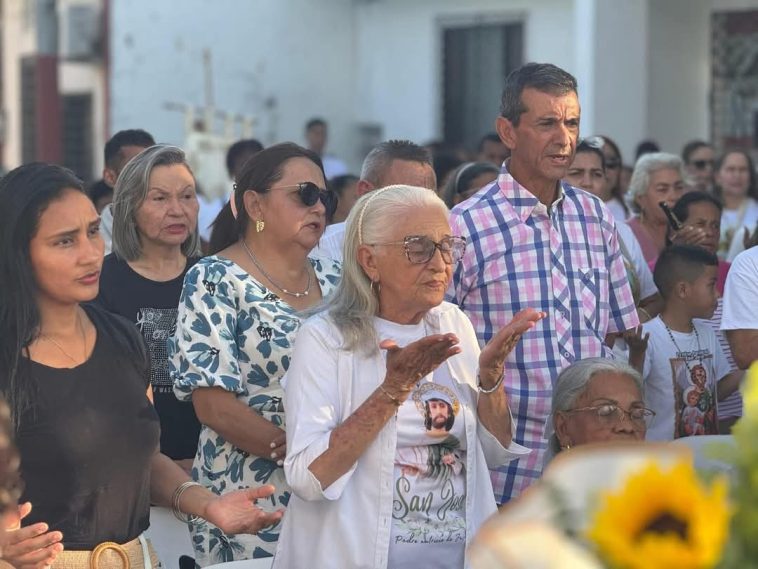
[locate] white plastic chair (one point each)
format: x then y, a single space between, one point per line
245 564
169 536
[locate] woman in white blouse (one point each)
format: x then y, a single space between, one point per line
395 414
737 188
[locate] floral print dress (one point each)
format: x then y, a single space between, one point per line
234 333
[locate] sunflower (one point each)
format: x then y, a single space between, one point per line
662 519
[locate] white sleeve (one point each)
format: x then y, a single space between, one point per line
741 293
312 408
644 274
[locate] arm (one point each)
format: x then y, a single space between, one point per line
729 384
744 345
237 423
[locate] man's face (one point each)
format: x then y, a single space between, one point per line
316 138
409 173
493 152
544 141
439 412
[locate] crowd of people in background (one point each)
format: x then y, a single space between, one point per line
354 369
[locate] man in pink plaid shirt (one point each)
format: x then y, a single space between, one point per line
536 242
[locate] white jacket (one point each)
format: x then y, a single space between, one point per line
348 525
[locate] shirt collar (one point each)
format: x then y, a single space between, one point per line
524 202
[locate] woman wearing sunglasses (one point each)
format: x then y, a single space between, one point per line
238 318
394 413
597 400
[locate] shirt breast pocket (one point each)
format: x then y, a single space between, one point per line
591 287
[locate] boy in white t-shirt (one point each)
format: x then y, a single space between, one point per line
685 370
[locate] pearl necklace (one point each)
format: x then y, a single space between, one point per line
272 281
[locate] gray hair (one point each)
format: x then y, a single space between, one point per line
380 158
130 192
353 305
644 169
544 77
573 381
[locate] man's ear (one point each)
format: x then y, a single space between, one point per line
367 261
364 187
681 289
506 131
109 177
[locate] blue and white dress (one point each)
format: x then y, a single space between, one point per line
234 333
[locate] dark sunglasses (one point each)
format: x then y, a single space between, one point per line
310 193
420 249
702 164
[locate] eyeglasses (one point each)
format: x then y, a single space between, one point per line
702 164
609 414
420 249
310 193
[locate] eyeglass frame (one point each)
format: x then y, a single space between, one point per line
330 208
437 246
648 416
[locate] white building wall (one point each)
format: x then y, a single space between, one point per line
284 62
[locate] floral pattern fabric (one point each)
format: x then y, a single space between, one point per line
234 333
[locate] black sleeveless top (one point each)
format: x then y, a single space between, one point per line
87 443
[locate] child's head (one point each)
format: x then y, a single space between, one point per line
691 396
686 278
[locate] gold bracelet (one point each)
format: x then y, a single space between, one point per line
391 397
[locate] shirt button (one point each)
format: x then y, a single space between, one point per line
566 355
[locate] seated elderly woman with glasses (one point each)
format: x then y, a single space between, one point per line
394 412
597 400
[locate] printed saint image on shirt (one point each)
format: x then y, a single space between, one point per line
157 325
694 395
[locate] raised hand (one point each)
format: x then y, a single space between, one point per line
637 344
492 357
689 235
236 512
405 366
31 547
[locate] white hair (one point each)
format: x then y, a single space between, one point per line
644 169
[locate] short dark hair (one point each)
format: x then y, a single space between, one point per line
647 147
544 77
315 121
679 263
240 149
382 155
682 207
586 145
489 137
690 148
130 137
98 190
338 183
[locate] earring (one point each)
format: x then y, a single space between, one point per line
259 225
567 446
378 288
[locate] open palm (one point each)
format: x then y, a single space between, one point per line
236 512
492 357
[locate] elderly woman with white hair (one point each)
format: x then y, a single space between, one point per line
155 242
395 414
597 400
658 178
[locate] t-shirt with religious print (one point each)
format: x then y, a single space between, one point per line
153 307
429 503
680 375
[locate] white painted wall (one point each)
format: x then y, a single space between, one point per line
296 55
399 55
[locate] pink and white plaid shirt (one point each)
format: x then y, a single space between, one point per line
565 261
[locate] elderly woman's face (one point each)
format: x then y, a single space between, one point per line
408 290
665 185
587 426
168 216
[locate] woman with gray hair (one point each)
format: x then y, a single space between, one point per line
394 412
657 178
597 400
155 242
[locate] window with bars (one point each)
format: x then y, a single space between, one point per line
77 134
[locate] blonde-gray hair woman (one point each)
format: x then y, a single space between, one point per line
396 415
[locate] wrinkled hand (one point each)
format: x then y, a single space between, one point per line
689 235
492 357
405 366
31 547
236 512
635 340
